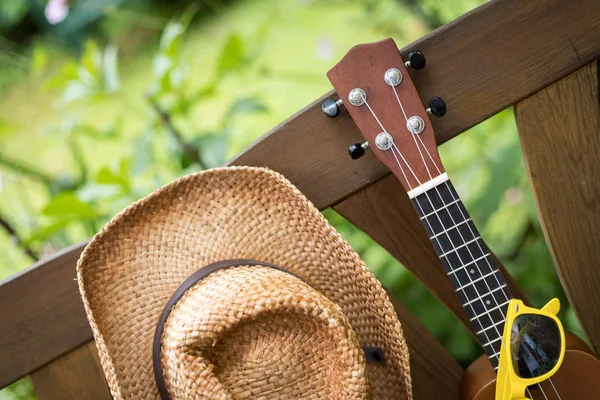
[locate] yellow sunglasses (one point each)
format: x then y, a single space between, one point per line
533 348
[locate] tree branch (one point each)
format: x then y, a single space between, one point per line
17 238
190 151
27 170
521 243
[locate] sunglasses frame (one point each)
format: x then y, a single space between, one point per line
509 385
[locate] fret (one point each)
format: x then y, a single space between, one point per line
492 342
460 247
491 292
490 327
476 280
445 231
454 271
434 212
488 311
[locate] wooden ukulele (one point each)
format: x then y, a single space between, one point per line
374 84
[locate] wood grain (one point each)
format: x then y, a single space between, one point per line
435 374
42 316
485 61
364 67
559 129
76 375
385 213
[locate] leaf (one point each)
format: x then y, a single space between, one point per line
170 39
68 205
39 60
45 232
92 192
232 54
245 105
212 149
115 176
110 131
11 12
90 63
110 70
142 156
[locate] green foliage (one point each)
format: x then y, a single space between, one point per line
12 12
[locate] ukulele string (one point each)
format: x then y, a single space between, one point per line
454 247
393 144
502 312
478 244
394 147
479 297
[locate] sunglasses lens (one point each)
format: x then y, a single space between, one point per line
535 345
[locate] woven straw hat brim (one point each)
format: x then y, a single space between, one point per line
131 268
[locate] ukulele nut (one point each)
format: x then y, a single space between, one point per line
384 141
393 77
415 125
357 97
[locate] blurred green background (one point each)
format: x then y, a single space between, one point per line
104 101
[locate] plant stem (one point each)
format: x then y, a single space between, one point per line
19 242
26 170
431 18
189 150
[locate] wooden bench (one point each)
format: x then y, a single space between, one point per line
480 67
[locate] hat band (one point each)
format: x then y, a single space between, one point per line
372 354
177 295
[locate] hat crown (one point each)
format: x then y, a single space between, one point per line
255 331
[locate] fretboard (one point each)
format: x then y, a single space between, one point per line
467 260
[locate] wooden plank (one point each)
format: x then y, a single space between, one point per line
559 129
435 373
385 213
41 316
487 60
76 375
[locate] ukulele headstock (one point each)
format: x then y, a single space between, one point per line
373 82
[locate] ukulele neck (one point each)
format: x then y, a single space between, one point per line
467 260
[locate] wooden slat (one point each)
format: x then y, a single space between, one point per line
435 374
385 213
41 317
76 375
487 60
559 129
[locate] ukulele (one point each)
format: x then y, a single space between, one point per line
374 85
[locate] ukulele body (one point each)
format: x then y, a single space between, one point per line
577 378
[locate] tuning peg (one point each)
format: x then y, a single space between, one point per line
357 150
331 108
437 107
416 60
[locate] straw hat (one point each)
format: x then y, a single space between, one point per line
240 289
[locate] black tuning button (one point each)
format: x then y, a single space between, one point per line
357 150
331 108
416 60
437 107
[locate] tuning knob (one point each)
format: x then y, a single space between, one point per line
357 150
331 108
416 60
437 107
